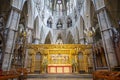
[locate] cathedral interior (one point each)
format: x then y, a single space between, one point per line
59 40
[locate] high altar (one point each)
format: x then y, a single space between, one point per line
58 58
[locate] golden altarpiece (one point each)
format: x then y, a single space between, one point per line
58 58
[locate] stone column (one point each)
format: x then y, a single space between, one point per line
12 26
105 27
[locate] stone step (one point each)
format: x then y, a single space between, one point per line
59 79
60 76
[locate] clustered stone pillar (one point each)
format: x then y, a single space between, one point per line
12 26
105 27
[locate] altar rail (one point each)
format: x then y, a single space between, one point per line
20 74
107 75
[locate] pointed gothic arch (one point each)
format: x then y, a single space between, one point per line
70 38
48 39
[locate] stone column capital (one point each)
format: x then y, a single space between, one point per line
16 9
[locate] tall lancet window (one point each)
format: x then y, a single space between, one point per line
59 7
59 1
69 6
49 22
69 22
50 4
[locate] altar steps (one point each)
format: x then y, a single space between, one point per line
60 76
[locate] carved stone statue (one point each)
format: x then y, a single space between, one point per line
59 25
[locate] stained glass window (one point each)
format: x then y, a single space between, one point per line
59 1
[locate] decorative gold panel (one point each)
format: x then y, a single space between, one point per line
67 70
59 69
52 70
60 54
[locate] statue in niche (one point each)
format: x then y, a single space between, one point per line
59 25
